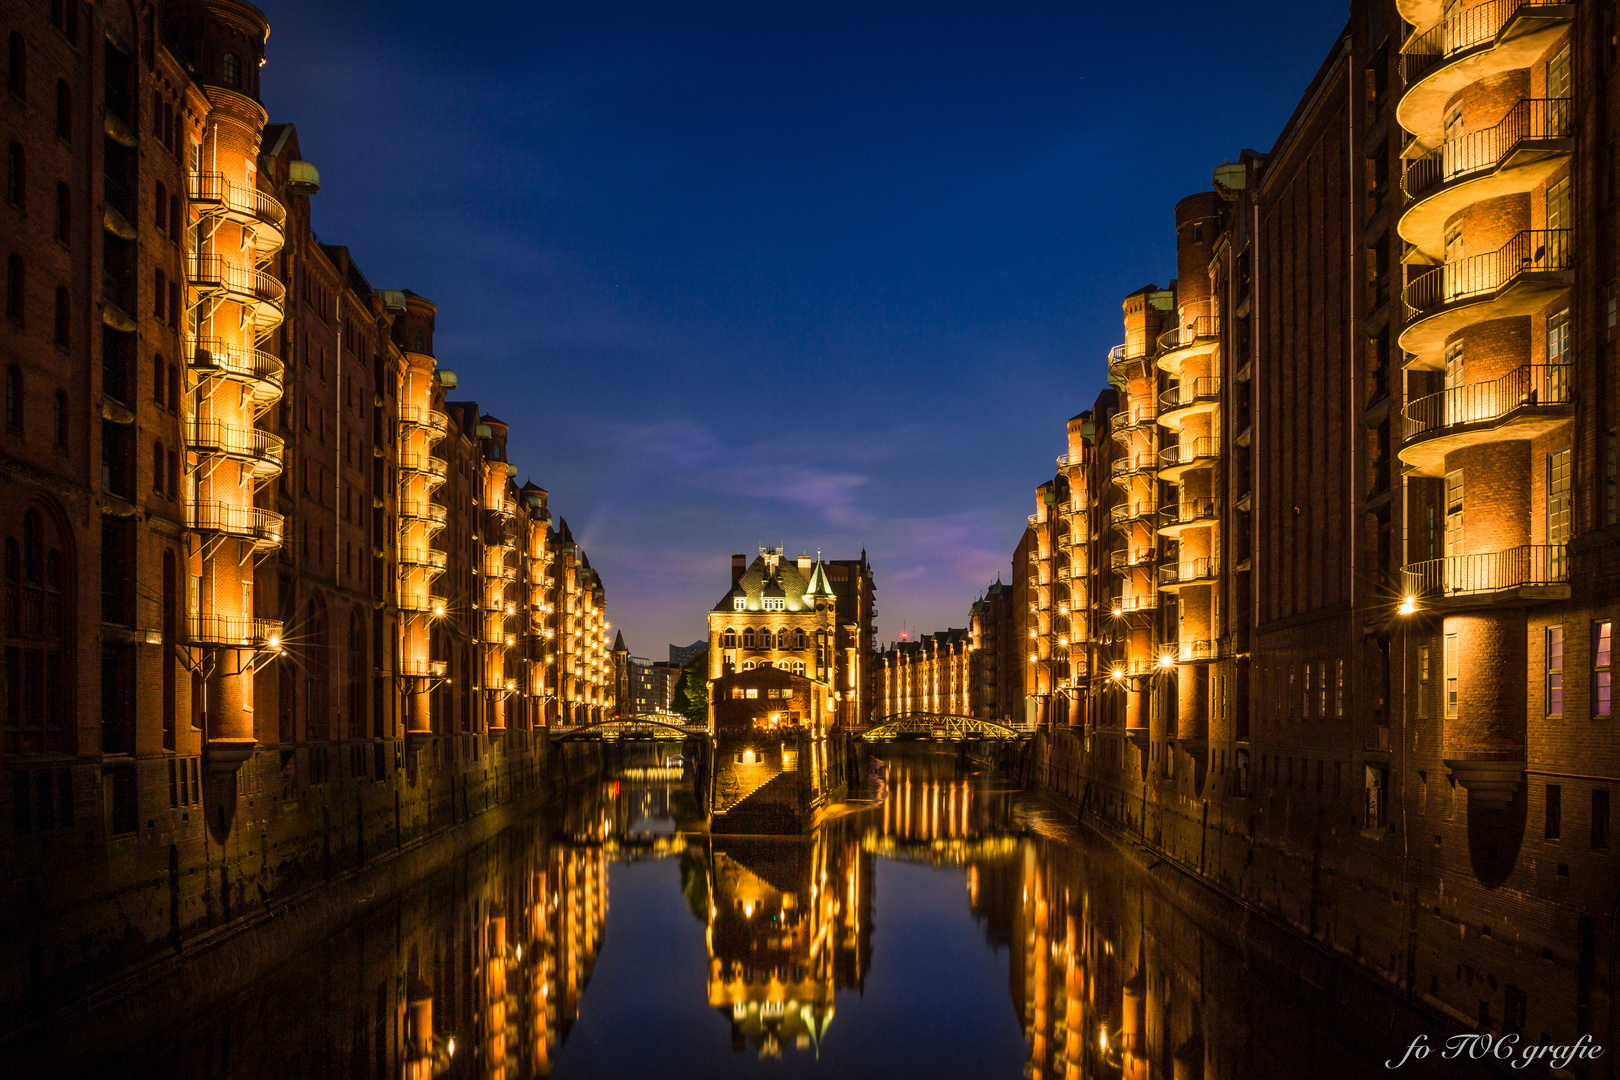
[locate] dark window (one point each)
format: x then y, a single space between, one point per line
64 212
175 220
64 110
16 176
174 389
231 70
1600 817
14 286
159 468
123 813
62 315
1554 827
160 207
17 66
60 420
14 397
157 379
160 294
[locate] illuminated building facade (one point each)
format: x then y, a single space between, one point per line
930 674
273 604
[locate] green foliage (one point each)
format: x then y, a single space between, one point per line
692 692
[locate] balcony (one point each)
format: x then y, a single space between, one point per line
432 421
262 528
1196 337
1125 513
1511 157
1469 45
1070 461
1129 467
1124 559
1519 278
424 558
1177 576
1126 424
420 602
1077 504
1195 651
259 451
1131 605
233 631
1521 405
420 510
1528 572
256 291
1125 361
1199 453
263 216
1189 513
432 468
1189 398
258 372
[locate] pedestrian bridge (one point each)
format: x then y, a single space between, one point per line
658 727
941 727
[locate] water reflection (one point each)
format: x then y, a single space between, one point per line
486 970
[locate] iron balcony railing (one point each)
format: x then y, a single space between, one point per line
1190 392
1191 650
1126 558
236 361
216 270
216 436
1121 355
1483 150
1481 275
1189 510
1466 29
1481 403
241 631
1488 572
1121 513
420 510
426 464
432 558
1130 464
1188 571
427 419
232 520
239 198
1203 326
1206 446
1130 605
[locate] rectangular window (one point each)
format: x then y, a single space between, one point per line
1450 660
1558 501
1310 697
1454 515
1423 681
1600 817
1611 478
1602 673
1555 671
1338 688
1558 337
1553 822
750 693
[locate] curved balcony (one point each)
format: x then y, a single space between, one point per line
262 528
1077 504
1526 402
1068 461
1125 513
1180 575
1518 278
1469 45
1195 650
256 291
265 218
1199 453
432 468
1195 513
417 668
233 631
1531 571
259 451
1124 559
1124 362
1196 337
432 421
1129 467
258 372
429 559
420 510
1189 398
1511 157
1132 605
1126 424
423 603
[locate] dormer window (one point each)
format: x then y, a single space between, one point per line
740 604
775 603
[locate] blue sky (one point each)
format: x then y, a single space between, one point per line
829 275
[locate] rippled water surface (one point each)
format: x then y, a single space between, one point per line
946 926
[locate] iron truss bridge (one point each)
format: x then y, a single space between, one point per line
670 728
941 727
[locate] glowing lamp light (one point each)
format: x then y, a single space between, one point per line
438 609
275 642
450 1048
1118 674
1165 660
1408 605
1102 1040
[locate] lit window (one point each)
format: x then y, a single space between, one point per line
1602 674
740 604
1555 671
751 693
1450 660
1423 681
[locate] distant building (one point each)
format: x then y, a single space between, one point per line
681 655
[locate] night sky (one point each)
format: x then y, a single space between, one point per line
821 275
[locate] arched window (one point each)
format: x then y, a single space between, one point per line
160 467
419 341
798 667
231 70
59 418
31 553
17 66
64 212
748 665
61 315
16 176
728 640
14 286
53 569
748 637
14 396
798 640
64 110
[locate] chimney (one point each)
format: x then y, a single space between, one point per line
739 564
804 563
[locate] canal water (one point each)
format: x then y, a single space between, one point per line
945 925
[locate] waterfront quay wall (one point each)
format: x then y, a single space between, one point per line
165 915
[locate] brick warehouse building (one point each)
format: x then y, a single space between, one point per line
1319 602
272 600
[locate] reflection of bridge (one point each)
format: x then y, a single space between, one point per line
941 727
660 727
942 851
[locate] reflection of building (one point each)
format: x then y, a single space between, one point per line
789 923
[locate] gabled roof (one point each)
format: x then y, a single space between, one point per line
783 582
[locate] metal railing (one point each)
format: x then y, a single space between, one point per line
216 436
233 520
206 270
427 419
242 631
214 187
1203 326
1189 570
1206 446
427 464
1480 403
1488 572
1122 354
1189 650
1481 275
1131 463
1465 29
419 510
1189 392
1482 151
1130 605
432 558
1120 513
238 361
1189 510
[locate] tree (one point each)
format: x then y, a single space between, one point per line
692 691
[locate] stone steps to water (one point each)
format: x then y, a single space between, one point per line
771 809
